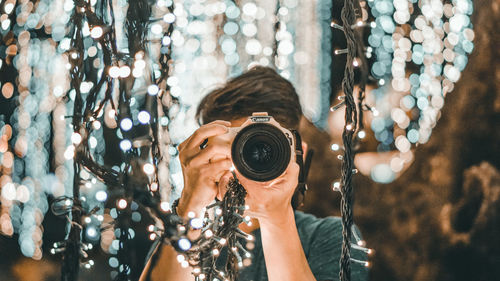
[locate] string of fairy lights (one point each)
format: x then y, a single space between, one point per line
136 77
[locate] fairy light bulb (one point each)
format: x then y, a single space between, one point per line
125 145
165 206
152 236
114 71
336 186
196 223
126 124
153 90
143 117
122 204
361 134
76 138
208 233
355 62
124 71
96 32
101 195
184 244
96 125
148 168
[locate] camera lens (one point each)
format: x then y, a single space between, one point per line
261 152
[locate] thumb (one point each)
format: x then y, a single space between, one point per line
222 186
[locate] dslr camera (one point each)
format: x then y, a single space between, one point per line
261 149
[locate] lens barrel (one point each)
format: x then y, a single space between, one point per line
261 152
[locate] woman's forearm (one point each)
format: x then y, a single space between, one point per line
166 267
285 258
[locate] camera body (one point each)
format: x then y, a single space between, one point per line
261 148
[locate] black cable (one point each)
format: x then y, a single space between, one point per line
348 18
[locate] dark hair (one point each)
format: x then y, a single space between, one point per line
259 89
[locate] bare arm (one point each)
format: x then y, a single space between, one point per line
166 267
285 258
270 203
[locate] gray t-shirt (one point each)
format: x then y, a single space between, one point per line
321 240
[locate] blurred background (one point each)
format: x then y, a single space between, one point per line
427 195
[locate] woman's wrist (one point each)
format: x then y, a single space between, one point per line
279 218
184 207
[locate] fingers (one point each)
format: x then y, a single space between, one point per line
211 152
209 130
222 186
185 143
290 175
216 169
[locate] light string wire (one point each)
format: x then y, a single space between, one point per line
224 227
348 18
71 256
223 231
136 24
119 182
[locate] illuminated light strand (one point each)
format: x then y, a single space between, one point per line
358 24
124 73
223 230
344 186
364 263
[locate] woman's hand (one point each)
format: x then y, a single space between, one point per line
271 201
202 168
